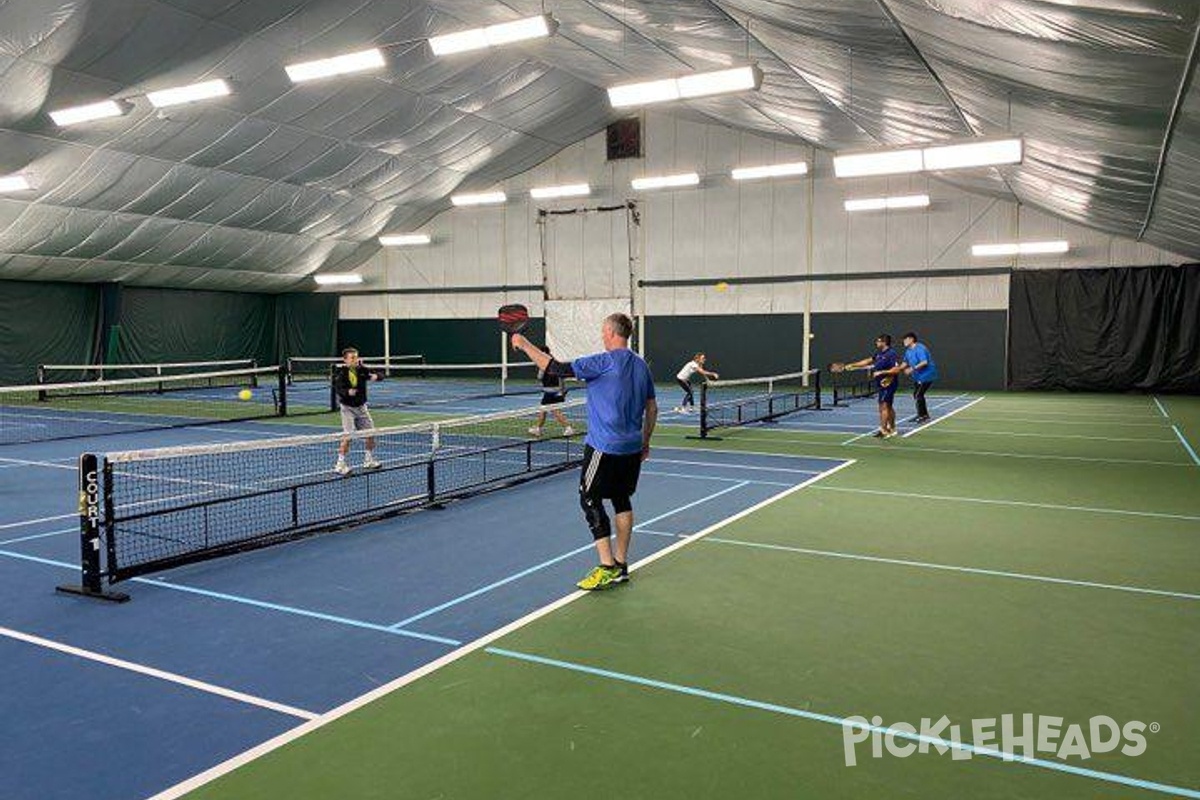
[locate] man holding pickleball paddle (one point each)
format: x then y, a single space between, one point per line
622 412
885 365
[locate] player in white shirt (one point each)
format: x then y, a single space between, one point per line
684 379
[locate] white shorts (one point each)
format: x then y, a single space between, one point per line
356 418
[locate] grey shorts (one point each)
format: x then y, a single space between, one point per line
356 418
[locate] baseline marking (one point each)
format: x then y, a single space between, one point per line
163 675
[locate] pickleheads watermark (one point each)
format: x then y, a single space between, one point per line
1009 737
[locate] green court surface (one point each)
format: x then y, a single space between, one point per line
1028 555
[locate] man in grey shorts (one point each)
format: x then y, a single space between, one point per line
350 380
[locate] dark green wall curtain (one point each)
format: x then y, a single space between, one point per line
45 323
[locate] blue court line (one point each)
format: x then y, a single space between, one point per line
303 612
843 722
995 573
550 562
1185 444
494 585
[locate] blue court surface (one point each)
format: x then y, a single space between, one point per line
213 658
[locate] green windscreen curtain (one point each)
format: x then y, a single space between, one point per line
306 324
163 325
45 323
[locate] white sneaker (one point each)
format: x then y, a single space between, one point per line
370 463
568 431
678 409
889 434
341 468
535 431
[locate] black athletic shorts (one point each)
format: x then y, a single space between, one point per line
607 475
553 398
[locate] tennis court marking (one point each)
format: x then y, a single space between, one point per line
25 462
1019 503
1186 445
970 432
31 537
942 418
989 420
24 523
993 573
1161 410
162 675
227 766
936 406
640 528
1052 457
843 722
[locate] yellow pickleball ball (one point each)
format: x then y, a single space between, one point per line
245 394
722 286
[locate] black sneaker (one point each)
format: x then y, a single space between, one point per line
923 419
624 576
879 434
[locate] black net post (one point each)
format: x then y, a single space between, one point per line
281 379
333 401
254 378
91 481
704 411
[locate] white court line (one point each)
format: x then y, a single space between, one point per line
971 432
1161 410
733 466
163 675
1019 503
23 523
1105 417
1036 456
22 462
712 478
991 421
31 537
914 430
993 573
225 767
942 418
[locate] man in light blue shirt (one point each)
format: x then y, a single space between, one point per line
920 367
622 412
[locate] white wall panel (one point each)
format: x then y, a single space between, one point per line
726 229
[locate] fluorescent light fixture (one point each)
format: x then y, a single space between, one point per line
566 190
724 81
338 65
886 162
93 111
880 203
493 35
338 278
478 199
770 171
1020 248
404 239
700 84
642 94
973 154
14 183
188 94
935 158
666 181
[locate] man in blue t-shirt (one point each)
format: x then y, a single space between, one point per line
621 413
885 366
920 367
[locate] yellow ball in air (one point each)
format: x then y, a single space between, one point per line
245 394
722 286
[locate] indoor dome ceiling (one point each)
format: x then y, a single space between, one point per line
258 190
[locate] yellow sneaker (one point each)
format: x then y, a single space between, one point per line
601 577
